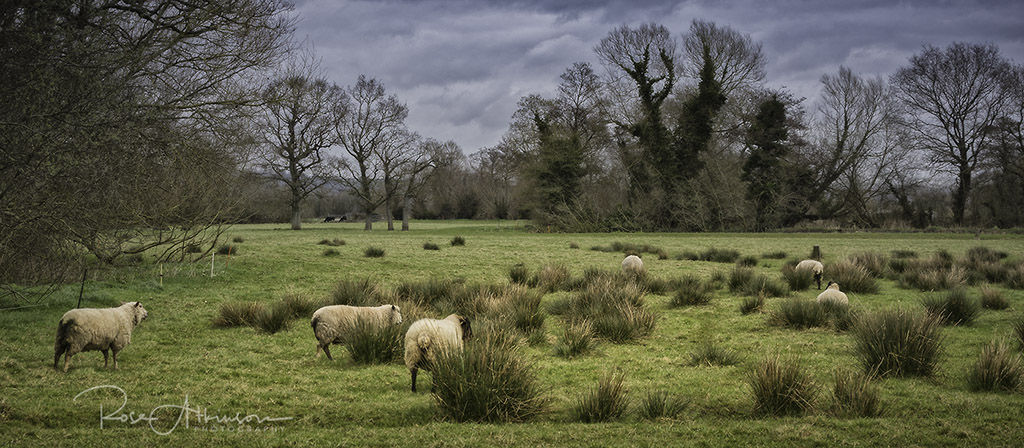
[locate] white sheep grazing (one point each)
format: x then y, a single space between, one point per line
332 324
632 263
87 329
427 337
833 295
814 266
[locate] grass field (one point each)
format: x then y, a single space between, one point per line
178 355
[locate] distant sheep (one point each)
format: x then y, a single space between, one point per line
332 324
88 329
632 263
427 337
815 267
833 295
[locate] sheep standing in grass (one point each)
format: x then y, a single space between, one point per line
632 263
427 337
814 266
103 329
833 294
331 324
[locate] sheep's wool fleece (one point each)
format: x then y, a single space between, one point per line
100 328
810 265
833 294
632 262
430 336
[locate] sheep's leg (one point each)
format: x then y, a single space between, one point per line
57 351
327 350
67 360
413 371
318 347
104 358
115 357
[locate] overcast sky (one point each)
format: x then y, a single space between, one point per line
462 65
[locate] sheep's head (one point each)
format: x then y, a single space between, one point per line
832 285
467 330
396 315
140 313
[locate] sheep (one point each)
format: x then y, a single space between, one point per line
814 266
833 295
427 337
87 329
632 263
331 324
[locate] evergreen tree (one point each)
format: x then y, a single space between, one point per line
764 169
694 127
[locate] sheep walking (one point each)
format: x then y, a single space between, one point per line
815 267
428 337
332 324
833 295
632 263
103 329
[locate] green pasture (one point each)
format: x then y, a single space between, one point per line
239 372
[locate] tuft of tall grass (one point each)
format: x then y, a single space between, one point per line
238 314
998 368
660 404
430 246
333 243
238 239
854 278
775 255
575 340
227 249
799 313
747 261
551 278
487 381
1018 330
373 252
274 319
574 245
299 305
797 280
981 254
331 252
430 292
519 274
750 304
354 293
739 277
717 255
903 254
897 343
458 241
712 354
993 299
1015 276
605 402
855 395
781 387
690 291
954 307
616 312
873 262
369 343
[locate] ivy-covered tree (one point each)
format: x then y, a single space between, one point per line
694 130
763 169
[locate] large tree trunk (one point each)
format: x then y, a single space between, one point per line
391 218
406 212
960 194
296 215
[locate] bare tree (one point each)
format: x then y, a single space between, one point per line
420 164
738 60
299 120
955 95
375 123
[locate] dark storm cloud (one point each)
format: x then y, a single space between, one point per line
462 65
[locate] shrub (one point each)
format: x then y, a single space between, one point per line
797 280
335 242
747 261
799 313
354 293
374 344
606 402
955 307
299 305
712 354
855 395
690 291
776 255
750 304
873 262
227 249
781 387
274 319
576 339
487 381
331 252
238 314
659 403
851 277
993 298
719 255
897 343
373 252
998 368
458 241
430 246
